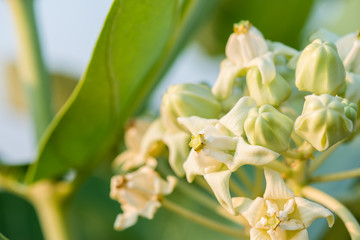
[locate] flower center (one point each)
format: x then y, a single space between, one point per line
272 221
197 142
242 27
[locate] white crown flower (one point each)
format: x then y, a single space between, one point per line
139 147
216 152
279 215
139 194
349 51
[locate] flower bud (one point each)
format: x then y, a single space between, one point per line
350 110
319 69
185 100
245 44
324 121
267 127
274 92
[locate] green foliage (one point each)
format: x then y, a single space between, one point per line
132 52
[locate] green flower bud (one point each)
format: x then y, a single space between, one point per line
350 109
185 100
274 92
324 121
267 127
319 69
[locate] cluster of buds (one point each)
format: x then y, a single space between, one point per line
293 104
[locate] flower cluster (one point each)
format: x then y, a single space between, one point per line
271 107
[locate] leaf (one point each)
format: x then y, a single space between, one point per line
137 43
2 237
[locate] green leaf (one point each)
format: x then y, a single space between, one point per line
2 237
138 42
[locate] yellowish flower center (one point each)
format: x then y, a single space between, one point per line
242 27
197 142
272 221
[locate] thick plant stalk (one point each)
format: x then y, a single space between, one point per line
31 66
346 216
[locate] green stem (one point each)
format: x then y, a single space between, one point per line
278 166
217 226
323 157
31 65
346 216
50 201
337 176
207 201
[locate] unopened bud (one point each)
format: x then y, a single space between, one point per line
274 92
185 100
319 69
324 122
267 127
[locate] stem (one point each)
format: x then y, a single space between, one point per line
278 166
323 157
346 216
203 220
50 201
207 201
299 171
337 176
31 66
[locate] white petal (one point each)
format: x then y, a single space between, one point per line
345 44
300 235
280 48
196 124
309 211
241 204
289 207
292 224
272 208
199 164
324 35
277 234
235 118
153 134
251 154
275 186
219 183
178 144
150 209
256 234
266 66
125 220
229 71
221 156
224 143
254 212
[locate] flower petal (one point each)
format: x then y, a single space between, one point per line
199 164
219 183
153 134
251 154
300 235
309 211
195 124
235 118
256 234
266 66
292 224
150 209
125 220
241 204
178 144
280 48
253 212
224 83
324 35
275 186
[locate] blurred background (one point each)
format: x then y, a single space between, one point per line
68 31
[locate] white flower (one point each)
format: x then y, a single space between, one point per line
216 152
349 51
247 48
279 215
137 154
139 194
